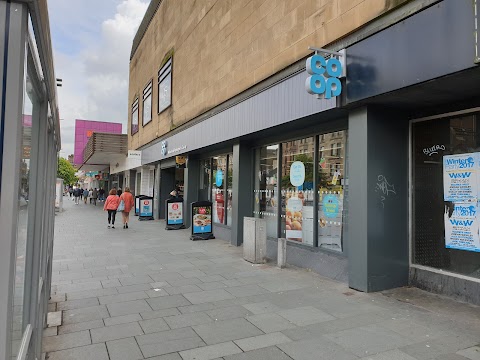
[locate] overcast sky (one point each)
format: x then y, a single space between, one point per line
91 43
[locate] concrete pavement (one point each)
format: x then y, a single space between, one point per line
148 293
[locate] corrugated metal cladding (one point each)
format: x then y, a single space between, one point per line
284 102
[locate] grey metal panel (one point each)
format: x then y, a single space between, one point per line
285 102
435 42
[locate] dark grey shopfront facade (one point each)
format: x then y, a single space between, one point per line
360 153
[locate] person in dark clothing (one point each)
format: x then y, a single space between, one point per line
101 193
119 192
95 196
77 192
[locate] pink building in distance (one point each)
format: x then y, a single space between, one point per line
84 129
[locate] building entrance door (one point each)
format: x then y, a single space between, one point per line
167 184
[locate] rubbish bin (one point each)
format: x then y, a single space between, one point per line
254 240
146 208
137 204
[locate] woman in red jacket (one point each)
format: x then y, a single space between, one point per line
111 205
127 198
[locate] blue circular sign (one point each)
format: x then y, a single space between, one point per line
330 206
219 178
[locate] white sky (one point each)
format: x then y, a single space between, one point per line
92 40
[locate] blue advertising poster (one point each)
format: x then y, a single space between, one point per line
330 206
175 213
461 227
219 178
146 208
460 177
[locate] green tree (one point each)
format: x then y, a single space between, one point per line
66 172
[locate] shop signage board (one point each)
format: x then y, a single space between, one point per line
461 188
202 221
325 68
174 214
146 208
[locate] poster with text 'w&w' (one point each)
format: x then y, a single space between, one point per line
461 179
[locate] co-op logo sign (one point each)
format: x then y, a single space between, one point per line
164 147
324 80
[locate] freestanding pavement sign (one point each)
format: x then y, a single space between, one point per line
146 208
174 214
137 204
202 221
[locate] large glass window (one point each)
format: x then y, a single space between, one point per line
297 190
165 86
266 187
205 177
446 178
229 189
134 123
147 104
218 188
331 175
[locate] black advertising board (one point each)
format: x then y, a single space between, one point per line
202 221
174 214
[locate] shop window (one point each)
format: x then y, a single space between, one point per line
134 123
446 154
219 169
147 104
297 217
331 197
266 187
165 86
229 189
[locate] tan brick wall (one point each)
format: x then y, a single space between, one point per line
223 47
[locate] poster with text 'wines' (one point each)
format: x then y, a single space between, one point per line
462 227
460 177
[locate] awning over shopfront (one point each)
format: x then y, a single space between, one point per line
103 149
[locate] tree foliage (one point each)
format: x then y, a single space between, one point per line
66 172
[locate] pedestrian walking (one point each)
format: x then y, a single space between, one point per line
95 196
128 203
90 192
76 194
85 196
102 194
119 192
111 205
70 191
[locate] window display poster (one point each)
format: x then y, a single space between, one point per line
175 213
330 206
462 227
294 219
460 181
202 219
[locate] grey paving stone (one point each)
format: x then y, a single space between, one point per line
211 278
232 282
194 308
279 285
246 290
159 313
172 356
192 273
442 346
115 332
67 341
124 319
269 353
390 355
166 302
318 349
129 307
182 289
270 322
412 330
185 320
54 298
134 280
112 299
262 307
159 284
76 304
305 315
208 296
368 340
167 342
85 314
133 288
222 331
124 349
211 351
182 281
85 287
212 285
472 353
165 276
450 357
97 352
66 329
153 325
75 295
157 292
230 312
262 341
110 283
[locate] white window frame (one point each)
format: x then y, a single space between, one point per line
164 74
134 110
147 95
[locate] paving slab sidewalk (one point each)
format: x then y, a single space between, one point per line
148 293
